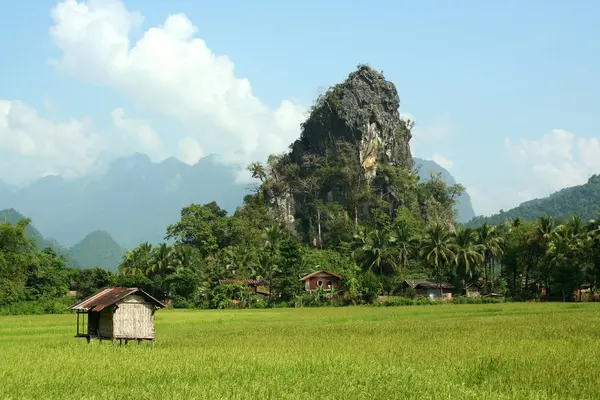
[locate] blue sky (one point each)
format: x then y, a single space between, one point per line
502 92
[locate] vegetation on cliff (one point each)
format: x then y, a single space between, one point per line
344 198
352 167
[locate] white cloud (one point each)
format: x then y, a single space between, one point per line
189 150
442 161
554 161
425 135
170 72
32 146
536 168
488 200
139 135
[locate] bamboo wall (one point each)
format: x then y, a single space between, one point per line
134 319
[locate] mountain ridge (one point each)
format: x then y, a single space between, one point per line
580 200
97 249
135 198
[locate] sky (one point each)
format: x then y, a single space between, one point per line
504 94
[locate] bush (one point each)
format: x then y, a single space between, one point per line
42 306
262 304
370 287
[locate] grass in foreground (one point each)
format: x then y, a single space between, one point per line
507 351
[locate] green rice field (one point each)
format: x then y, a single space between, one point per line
495 351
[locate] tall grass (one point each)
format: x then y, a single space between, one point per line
497 351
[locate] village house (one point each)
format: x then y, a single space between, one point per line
429 288
473 291
117 313
322 279
255 285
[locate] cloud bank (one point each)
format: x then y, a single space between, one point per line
170 74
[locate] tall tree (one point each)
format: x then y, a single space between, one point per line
436 250
491 243
468 255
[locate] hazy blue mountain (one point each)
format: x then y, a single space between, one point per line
98 249
135 199
464 207
6 189
12 216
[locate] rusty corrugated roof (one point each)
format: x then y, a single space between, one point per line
108 296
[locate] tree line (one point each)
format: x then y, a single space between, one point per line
522 260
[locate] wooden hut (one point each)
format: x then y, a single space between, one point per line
117 313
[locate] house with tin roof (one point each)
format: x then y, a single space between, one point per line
429 287
117 313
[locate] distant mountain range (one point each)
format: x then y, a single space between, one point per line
93 220
464 207
582 201
134 201
96 249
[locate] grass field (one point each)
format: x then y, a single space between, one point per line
500 351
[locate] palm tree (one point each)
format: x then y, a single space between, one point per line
468 254
273 236
161 260
404 242
491 243
185 257
377 250
436 249
546 228
563 256
240 260
136 261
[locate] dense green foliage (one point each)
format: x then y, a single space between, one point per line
97 249
502 351
34 281
427 168
582 201
345 198
12 216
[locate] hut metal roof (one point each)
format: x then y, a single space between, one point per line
428 284
108 296
324 271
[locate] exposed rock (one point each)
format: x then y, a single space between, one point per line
363 111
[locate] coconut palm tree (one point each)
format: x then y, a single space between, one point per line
136 261
272 236
436 249
377 251
468 254
185 258
161 261
491 242
404 243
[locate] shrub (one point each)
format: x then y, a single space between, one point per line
42 306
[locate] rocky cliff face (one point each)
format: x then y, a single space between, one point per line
363 111
352 166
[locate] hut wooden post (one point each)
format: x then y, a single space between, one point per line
117 313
